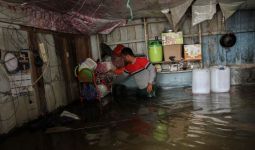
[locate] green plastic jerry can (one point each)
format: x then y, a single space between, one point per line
155 50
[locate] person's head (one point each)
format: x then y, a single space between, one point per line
128 55
117 50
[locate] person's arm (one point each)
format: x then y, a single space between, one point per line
119 71
152 73
122 75
152 76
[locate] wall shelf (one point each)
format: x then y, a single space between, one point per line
173 72
177 61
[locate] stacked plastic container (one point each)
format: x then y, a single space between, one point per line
217 80
220 79
201 81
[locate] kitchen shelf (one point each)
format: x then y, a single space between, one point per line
177 61
172 72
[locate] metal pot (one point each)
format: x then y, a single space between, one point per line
228 40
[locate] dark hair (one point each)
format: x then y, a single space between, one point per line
127 51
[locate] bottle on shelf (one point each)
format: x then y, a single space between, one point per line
155 51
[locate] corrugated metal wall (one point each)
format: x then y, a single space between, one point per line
242 22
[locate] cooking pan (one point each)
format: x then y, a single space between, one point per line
228 40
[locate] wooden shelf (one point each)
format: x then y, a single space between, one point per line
172 72
177 61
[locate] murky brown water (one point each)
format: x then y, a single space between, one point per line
175 120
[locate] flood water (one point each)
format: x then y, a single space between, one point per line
176 119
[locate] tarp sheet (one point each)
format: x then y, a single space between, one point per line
229 7
102 16
178 12
203 10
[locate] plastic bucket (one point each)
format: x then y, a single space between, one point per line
85 75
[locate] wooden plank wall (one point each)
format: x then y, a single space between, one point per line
54 83
82 48
14 111
132 35
242 23
65 48
63 55
243 52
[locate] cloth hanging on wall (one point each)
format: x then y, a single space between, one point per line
178 12
228 8
203 10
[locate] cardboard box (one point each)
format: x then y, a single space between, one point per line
172 38
192 52
172 50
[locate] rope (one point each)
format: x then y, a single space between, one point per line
130 10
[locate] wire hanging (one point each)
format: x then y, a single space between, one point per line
130 10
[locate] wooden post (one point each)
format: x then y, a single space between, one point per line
200 41
145 36
98 48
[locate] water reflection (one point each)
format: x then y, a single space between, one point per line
212 104
174 120
192 121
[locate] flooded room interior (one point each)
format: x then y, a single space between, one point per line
127 74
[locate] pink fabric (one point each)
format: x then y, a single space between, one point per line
90 25
85 16
71 22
